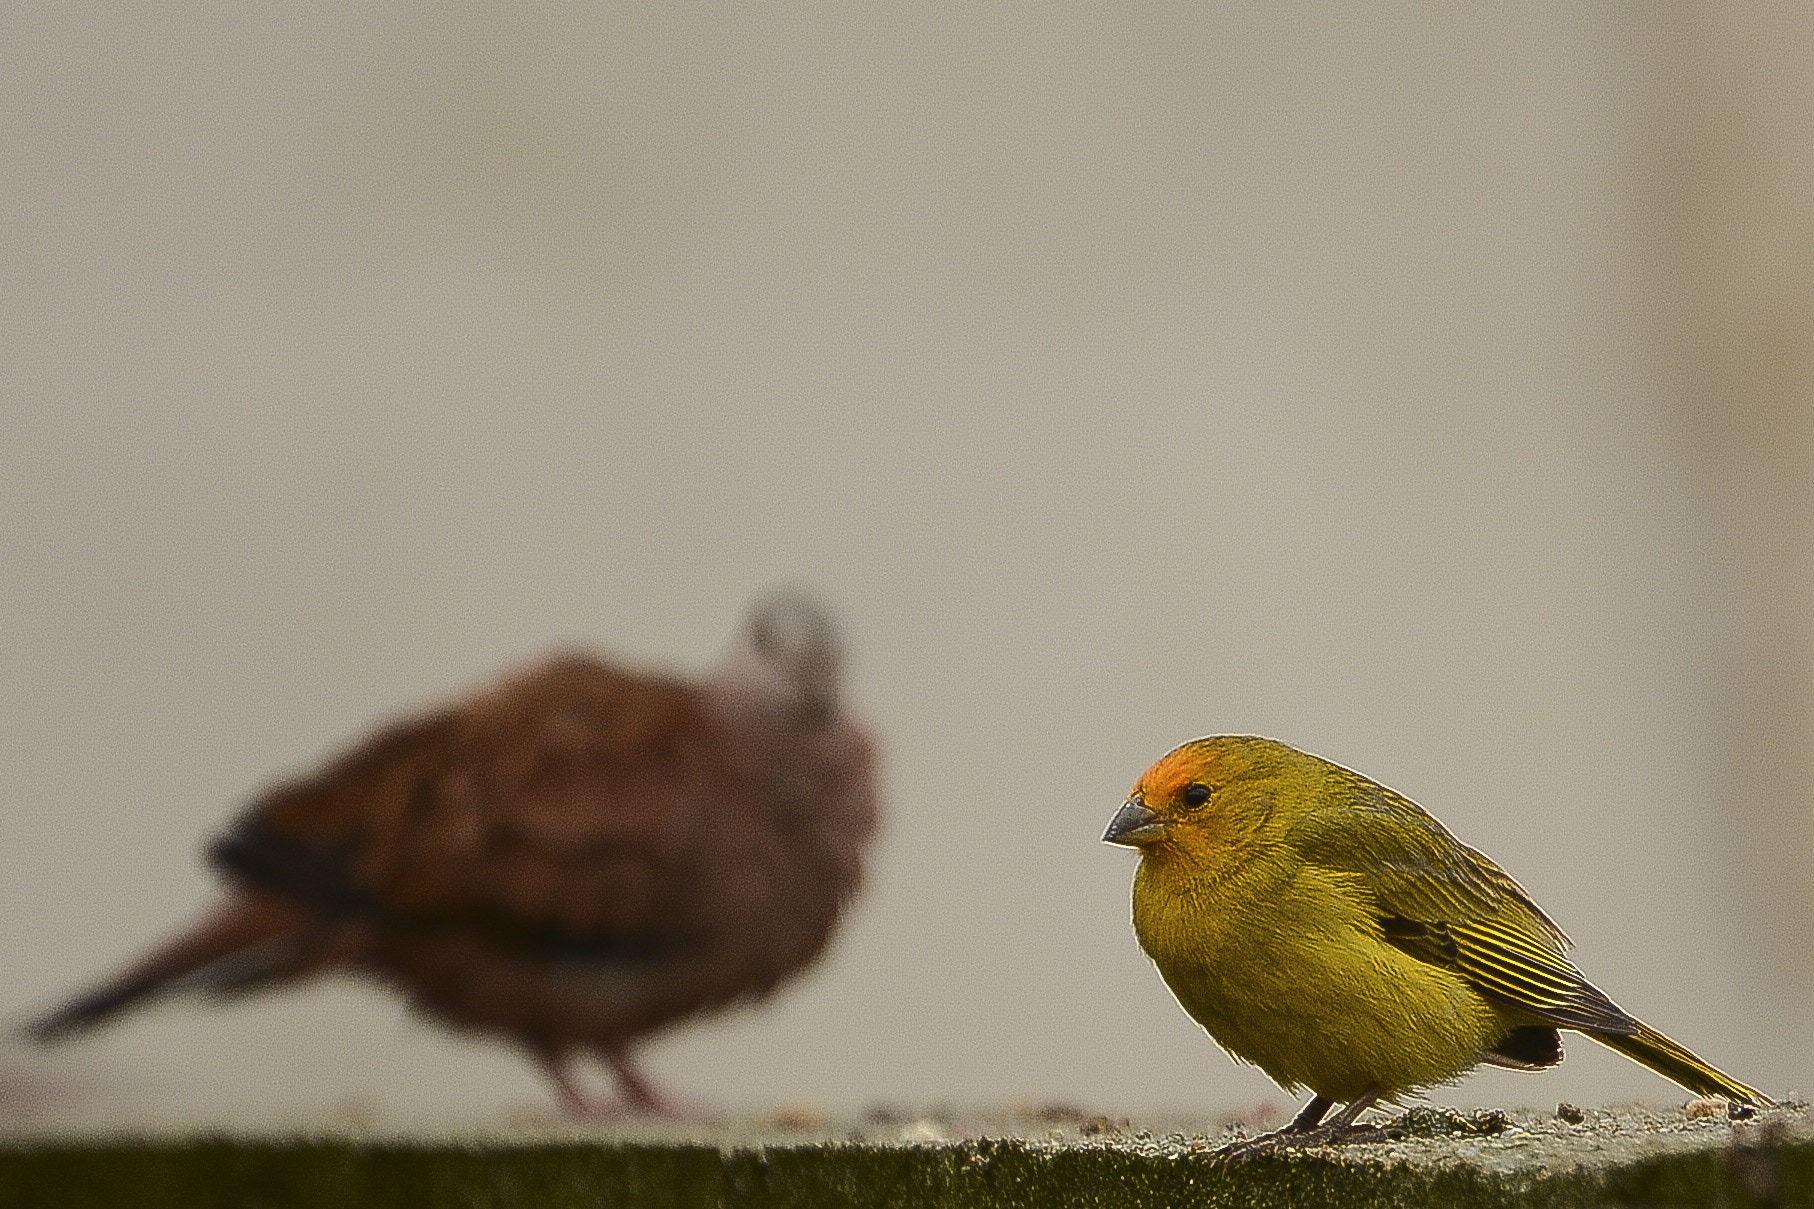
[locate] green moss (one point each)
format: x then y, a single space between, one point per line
984 1175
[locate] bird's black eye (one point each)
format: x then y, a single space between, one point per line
1196 795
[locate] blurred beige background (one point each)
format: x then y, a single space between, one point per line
1427 387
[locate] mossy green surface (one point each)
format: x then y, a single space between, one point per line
982 1174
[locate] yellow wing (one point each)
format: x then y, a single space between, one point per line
1444 903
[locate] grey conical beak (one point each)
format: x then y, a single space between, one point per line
1134 825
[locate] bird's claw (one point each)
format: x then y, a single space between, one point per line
1299 1139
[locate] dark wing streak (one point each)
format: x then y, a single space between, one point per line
259 857
1521 975
1547 986
320 875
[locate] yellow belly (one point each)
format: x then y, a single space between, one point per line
1295 978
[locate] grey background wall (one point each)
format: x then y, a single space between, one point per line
1427 388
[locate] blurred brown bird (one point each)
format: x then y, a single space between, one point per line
572 858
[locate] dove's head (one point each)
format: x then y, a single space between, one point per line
792 650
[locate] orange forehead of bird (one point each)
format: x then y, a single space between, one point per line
1197 763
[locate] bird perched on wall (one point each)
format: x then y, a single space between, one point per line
571 858
1332 933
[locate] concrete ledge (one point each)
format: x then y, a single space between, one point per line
1628 1157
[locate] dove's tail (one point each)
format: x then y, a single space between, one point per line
242 941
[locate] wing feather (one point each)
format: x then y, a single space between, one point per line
560 801
1449 905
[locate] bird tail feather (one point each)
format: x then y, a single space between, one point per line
1651 1048
233 946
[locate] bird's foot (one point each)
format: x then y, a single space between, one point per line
1290 1139
1308 1129
638 1098
642 1096
618 1110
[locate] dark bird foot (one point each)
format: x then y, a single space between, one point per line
1288 1139
1308 1129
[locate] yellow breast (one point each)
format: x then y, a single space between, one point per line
1287 969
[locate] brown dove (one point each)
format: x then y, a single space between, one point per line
572 858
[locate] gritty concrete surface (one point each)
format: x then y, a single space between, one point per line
1682 1155
1493 1141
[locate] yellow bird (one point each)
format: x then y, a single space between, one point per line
1334 934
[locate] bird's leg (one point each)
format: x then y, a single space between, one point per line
639 1091
1344 1121
639 1095
573 1098
638 1099
1311 1115
1307 1129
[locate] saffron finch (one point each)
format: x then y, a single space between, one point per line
1334 934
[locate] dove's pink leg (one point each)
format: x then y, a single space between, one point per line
638 1090
639 1099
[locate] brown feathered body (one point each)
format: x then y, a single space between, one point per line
573 858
